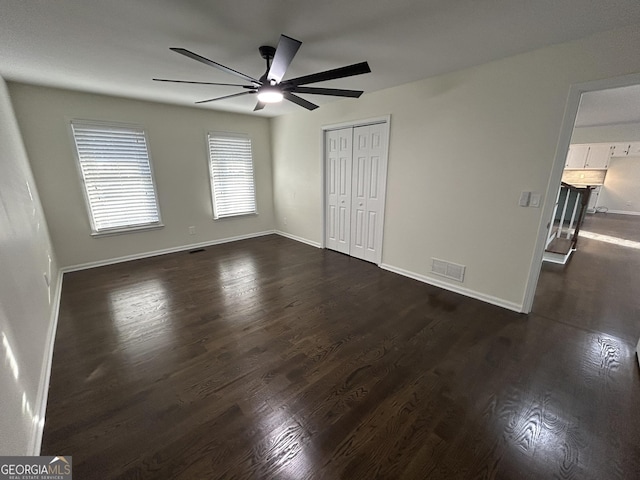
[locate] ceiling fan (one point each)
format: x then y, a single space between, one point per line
270 88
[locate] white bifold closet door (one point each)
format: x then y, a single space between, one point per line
339 152
355 185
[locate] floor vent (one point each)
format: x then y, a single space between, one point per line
448 269
197 250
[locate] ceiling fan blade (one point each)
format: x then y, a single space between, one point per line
211 63
348 71
285 51
259 106
204 83
337 92
299 101
225 97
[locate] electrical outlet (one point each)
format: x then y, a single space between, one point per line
192 230
285 220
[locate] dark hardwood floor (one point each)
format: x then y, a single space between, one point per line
268 358
599 288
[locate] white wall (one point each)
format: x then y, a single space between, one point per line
621 190
27 305
462 148
628 132
177 144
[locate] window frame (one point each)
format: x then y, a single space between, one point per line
215 209
113 125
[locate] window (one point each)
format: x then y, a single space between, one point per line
231 168
116 172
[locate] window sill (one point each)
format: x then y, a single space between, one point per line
230 217
124 231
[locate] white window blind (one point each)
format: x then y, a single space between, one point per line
231 168
115 167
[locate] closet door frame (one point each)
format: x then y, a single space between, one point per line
386 122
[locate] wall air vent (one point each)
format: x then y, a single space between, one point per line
448 269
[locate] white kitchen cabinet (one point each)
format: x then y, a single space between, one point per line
626 149
591 156
598 156
620 149
577 156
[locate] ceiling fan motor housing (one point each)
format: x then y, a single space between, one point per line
267 52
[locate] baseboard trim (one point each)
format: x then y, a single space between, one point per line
40 407
155 253
621 212
454 288
299 239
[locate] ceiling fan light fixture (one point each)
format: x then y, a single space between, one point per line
269 94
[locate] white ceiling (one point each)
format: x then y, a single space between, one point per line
117 46
614 106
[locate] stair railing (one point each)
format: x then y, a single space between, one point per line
576 200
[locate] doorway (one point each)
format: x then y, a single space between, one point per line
565 139
355 174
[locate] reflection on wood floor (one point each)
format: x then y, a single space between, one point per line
268 358
599 288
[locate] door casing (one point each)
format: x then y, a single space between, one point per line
562 147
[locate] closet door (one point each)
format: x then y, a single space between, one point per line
339 153
366 199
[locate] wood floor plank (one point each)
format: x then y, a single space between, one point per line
267 358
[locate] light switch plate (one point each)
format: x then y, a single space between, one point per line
524 199
535 199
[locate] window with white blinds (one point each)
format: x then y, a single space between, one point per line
231 168
118 180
